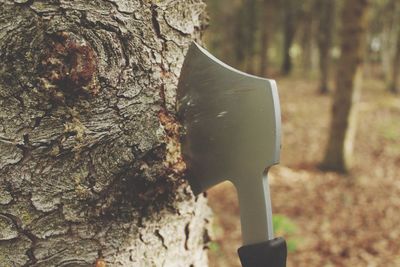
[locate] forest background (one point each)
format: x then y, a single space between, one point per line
336 192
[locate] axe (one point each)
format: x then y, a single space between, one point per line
232 130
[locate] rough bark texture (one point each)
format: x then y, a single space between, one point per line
339 151
90 166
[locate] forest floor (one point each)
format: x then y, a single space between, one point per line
328 219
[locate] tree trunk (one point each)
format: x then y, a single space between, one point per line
307 35
90 165
240 36
325 37
250 28
390 17
289 28
394 83
221 33
267 21
348 85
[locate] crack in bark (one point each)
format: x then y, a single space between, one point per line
53 255
141 239
154 20
159 235
16 221
187 232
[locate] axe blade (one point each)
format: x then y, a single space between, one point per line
232 132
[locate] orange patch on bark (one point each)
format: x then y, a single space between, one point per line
174 158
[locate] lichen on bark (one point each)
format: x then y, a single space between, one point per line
90 166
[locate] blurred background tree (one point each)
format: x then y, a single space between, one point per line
393 38
277 37
326 24
339 152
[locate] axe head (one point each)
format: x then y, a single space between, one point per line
231 121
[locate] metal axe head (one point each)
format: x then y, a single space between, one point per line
232 126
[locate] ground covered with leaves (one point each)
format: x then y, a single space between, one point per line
328 219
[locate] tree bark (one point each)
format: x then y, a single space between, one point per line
90 164
325 37
338 156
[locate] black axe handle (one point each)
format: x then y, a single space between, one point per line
271 253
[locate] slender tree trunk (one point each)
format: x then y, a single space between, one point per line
267 21
325 37
390 16
307 35
250 28
394 83
90 165
338 156
240 36
289 28
221 33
